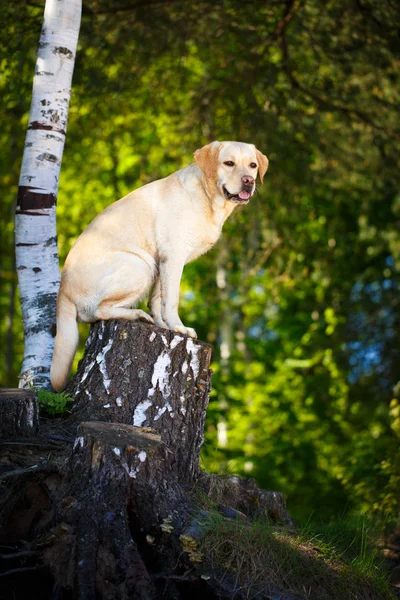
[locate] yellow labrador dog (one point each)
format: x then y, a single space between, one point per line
145 239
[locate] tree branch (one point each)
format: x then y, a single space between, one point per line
292 6
322 101
21 554
44 466
50 445
22 569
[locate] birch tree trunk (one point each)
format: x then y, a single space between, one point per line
36 238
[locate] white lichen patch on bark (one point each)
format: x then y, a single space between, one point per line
175 341
139 416
159 393
162 410
160 377
118 401
84 376
153 336
101 361
194 362
182 399
130 471
160 413
87 370
30 413
79 441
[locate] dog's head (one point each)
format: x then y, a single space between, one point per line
233 168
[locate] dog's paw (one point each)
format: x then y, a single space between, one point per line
186 331
140 315
160 322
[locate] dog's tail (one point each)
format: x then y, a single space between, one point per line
66 342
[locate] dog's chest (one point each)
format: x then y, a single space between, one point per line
200 239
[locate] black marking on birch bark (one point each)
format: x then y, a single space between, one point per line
28 199
43 44
39 375
45 102
22 244
27 213
36 269
47 324
51 114
61 50
22 267
42 301
51 241
28 178
39 73
50 157
50 136
49 327
37 125
38 369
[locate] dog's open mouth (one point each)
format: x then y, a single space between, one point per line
241 198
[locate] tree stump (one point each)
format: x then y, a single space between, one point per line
123 518
19 413
141 375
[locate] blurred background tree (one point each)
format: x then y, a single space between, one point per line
300 298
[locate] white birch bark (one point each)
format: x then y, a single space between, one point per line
36 238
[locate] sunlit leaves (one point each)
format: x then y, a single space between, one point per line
304 399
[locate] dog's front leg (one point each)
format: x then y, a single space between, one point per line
155 304
170 279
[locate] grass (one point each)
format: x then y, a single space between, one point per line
332 562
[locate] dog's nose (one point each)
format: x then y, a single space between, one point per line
248 180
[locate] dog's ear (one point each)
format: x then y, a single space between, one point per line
262 164
207 159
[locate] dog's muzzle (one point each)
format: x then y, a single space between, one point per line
242 197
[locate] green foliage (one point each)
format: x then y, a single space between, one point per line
54 404
300 297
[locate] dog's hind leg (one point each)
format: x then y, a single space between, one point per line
106 311
127 280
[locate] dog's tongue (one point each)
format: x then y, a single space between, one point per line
243 195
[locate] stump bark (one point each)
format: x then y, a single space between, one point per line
141 375
115 512
19 413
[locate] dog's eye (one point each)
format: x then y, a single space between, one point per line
229 163
253 166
